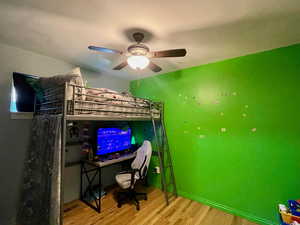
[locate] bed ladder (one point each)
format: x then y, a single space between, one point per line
163 152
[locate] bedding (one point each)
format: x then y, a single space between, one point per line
91 101
103 101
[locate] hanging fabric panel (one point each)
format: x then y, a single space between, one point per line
40 192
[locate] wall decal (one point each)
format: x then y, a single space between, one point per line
223 129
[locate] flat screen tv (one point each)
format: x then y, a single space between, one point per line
110 140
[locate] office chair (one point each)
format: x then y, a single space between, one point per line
128 179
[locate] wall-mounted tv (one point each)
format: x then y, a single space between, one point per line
110 140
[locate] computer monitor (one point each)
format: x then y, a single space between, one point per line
110 140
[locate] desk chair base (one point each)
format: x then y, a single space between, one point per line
130 195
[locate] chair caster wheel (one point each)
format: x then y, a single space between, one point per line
137 207
119 205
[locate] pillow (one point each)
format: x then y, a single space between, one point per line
73 77
54 81
78 80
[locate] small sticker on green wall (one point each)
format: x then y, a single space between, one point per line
223 129
253 129
202 136
244 115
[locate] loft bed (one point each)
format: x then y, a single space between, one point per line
66 99
82 103
77 103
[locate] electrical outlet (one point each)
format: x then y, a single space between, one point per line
157 170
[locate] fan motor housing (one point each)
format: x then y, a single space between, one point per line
138 49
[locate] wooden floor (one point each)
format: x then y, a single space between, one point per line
153 211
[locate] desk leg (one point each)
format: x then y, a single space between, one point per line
100 189
90 175
81 174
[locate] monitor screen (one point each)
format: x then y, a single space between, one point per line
111 140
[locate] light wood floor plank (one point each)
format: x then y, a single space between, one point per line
181 211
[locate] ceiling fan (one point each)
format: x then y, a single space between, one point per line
138 54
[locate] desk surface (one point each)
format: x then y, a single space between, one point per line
111 161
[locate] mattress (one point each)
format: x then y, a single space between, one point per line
106 102
100 102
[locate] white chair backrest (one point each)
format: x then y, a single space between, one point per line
144 152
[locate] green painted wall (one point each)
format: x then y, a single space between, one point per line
234 130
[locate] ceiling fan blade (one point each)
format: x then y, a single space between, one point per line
168 53
120 66
155 68
106 50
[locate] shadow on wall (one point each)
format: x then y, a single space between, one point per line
73 10
247 34
13 155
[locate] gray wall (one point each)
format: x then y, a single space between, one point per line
14 134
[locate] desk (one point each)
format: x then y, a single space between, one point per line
91 175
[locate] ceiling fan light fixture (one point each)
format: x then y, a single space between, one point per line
138 61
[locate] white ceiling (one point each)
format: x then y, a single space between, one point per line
210 30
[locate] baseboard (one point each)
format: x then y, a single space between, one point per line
228 209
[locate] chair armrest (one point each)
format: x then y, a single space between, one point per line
132 180
125 171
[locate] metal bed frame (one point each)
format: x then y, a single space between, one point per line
55 101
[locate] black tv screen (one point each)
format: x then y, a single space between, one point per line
24 94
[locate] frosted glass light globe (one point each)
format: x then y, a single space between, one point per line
138 62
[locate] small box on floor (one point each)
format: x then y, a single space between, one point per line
290 215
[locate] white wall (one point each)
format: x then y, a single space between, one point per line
14 134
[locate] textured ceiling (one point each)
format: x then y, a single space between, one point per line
210 30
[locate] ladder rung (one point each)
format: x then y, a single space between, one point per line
170 195
155 153
168 166
169 184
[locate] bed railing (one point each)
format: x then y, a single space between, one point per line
94 102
